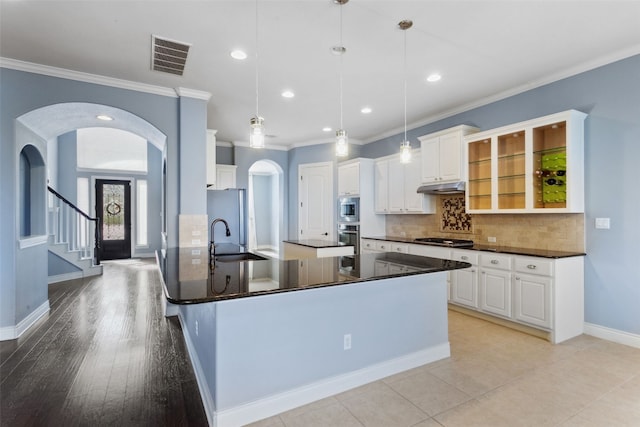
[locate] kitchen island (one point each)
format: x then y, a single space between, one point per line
267 336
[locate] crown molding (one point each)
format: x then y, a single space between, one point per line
62 73
192 93
223 144
563 74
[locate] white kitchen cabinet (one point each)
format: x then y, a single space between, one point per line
535 166
442 155
396 185
225 176
368 246
464 282
533 285
349 179
495 284
495 291
381 186
211 157
542 293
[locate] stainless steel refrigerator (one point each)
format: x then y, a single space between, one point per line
230 205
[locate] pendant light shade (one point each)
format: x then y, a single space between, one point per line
342 141
405 147
256 129
256 135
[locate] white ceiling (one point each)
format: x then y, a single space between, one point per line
484 50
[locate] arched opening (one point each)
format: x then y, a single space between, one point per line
32 193
265 206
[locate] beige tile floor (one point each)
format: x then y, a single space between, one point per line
495 377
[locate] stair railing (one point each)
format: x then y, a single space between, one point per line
68 224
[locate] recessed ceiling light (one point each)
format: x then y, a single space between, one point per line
104 117
288 94
238 54
326 129
434 78
366 110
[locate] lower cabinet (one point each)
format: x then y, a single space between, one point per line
543 293
495 292
464 283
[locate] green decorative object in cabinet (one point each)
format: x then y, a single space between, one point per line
535 166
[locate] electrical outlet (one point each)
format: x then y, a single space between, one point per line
491 239
196 328
604 223
347 341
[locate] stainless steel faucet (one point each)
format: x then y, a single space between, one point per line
212 245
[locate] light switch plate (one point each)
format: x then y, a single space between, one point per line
604 223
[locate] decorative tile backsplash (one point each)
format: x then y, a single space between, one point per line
562 232
453 216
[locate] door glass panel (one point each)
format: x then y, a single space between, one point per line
113 225
550 165
480 174
511 171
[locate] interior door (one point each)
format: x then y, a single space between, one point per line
316 201
113 209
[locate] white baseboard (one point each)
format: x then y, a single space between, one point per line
203 386
66 276
621 337
13 332
291 399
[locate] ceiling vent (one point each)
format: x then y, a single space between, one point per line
168 56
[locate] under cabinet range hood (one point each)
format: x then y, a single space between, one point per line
444 188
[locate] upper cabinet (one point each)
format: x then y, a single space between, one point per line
225 176
349 178
211 157
443 155
396 187
535 166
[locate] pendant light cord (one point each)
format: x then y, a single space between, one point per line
257 82
341 67
405 88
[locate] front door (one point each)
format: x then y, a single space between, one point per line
113 201
315 195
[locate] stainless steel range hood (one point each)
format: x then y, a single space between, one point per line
448 188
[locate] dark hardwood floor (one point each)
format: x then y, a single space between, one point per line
105 355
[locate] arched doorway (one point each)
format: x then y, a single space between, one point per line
265 207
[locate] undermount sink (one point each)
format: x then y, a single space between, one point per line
245 256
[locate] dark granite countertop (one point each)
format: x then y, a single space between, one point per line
316 243
190 279
542 253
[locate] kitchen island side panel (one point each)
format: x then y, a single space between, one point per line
277 343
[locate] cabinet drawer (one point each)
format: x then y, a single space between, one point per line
502 262
368 244
465 256
543 267
383 246
400 247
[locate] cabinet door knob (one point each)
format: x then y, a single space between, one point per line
495 261
531 266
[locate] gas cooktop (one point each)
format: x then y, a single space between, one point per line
441 241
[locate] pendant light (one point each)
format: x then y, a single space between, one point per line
256 132
342 140
405 147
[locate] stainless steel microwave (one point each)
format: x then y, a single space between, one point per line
349 209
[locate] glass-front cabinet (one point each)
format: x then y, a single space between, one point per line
529 167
